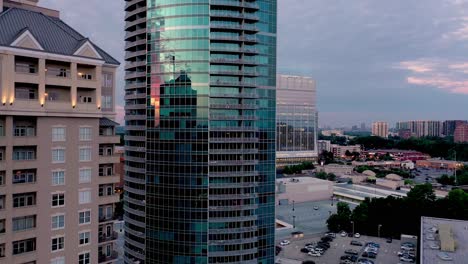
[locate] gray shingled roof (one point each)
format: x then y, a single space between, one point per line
52 33
106 122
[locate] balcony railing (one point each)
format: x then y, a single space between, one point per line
104 258
105 218
58 73
25 68
106 238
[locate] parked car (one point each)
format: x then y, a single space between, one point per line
326 239
373 244
305 250
406 247
369 254
406 253
406 258
351 252
434 245
389 240
285 243
356 243
365 261
357 235
330 234
315 254
343 234
316 207
444 256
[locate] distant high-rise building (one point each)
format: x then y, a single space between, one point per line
363 126
425 128
57 137
296 123
461 133
200 131
380 129
450 125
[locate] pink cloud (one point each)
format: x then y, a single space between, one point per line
443 74
120 111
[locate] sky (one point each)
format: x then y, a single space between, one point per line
373 60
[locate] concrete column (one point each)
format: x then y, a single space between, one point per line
98 86
9 74
42 80
74 77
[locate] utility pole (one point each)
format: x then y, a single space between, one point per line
378 230
352 222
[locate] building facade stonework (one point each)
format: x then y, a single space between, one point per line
57 93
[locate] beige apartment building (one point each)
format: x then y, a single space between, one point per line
57 138
380 129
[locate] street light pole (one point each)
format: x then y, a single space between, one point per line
293 205
352 222
455 156
294 221
378 230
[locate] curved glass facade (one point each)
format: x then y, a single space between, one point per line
210 131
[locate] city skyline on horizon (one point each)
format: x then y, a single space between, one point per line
363 55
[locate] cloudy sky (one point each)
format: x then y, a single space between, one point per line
372 59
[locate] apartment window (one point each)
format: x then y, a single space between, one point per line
107 80
58 243
24 246
58 177
26 93
24 223
106 151
84 237
58 199
24 199
106 131
58 221
24 154
85 133
85 76
85 175
2 226
24 177
2 128
106 170
84 258
84 196
58 260
2 250
58 155
85 217
58 134
106 102
24 130
2 178
2 202
106 190
85 154
86 99
2 154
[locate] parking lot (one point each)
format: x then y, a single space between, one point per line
387 253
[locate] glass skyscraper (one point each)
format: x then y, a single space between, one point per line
200 131
296 134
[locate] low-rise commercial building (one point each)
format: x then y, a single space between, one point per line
340 151
302 189
439 164
443 240
323 145
398 154
337 169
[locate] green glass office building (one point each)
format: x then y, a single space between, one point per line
200 131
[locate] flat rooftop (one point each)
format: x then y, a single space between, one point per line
300 180
360 192
459 230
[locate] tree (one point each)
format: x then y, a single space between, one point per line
348 153
342 209
321 175
422 193
331 177
446 180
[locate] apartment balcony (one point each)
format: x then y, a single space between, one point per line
60 107
135 106
114 255
234 15
241 27
234 117
135 191
245 5
131 54
233 61
134 33
26 73
132 23
234 151
134 138
134 12
135 117
104 238
234 207
236 128
235 95
138 254
132 2
232 162
234 73
108 159
109 179
234 50
234 230
134 211
234 140
233 253
135 75
233 197
109 139
109 199
234 185
233 173
136 170
234 219
58 77
234 106
107 218
134 64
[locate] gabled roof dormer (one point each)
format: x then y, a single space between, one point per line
86 49
26 40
